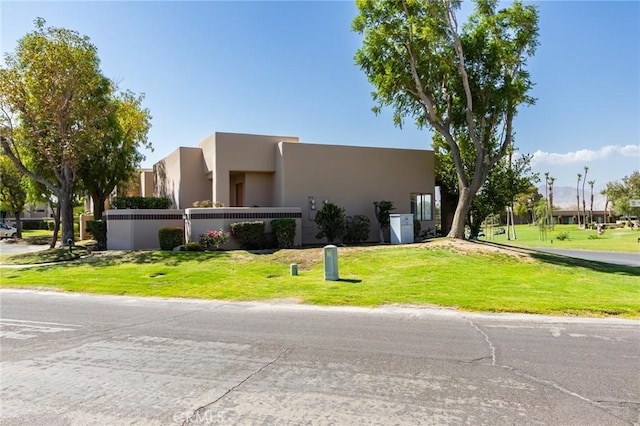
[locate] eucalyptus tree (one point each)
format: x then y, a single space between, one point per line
465 83
508 178
52 97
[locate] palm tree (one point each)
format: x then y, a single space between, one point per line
591 183
578 197
551 180
546 186
584 201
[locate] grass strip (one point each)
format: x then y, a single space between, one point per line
462 275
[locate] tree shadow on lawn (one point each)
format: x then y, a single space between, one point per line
609 268
168 258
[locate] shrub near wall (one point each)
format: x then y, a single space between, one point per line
285 231
357 229
170 238
250 235
98 229
162 203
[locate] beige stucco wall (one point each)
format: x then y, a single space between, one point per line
137 229
146 183
352 178
258 189
236 152
166 177
194 185
182 177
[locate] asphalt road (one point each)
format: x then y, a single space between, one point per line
79 359
617 258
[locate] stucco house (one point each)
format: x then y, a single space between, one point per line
244 170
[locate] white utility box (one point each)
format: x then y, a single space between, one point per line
401 228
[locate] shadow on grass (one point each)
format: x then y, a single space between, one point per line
168 258
610 268
55 255
562 260
345 280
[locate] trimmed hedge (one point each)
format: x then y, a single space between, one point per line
357 229
141 203
192 246
35 224
170 238
285 231
98 229
250 235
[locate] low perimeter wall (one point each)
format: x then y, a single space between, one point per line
137 229
200 220
132 229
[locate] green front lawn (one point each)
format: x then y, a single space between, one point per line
624 240
467 276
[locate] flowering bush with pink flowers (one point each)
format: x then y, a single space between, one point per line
214 240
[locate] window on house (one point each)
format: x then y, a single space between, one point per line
422 206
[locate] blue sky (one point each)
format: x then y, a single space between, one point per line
286 68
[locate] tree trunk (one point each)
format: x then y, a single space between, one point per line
98 204
578 198
448 202
66 216
18 224
56 227
513 222
459 217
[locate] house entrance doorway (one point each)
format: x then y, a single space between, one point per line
239 194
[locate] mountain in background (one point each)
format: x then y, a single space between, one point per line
564 197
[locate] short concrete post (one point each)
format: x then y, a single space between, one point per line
330 263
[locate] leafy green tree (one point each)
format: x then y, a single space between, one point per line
525 203
500 190
53 99
542 212
619 195
13 191
508 178
117 158
461 82
331 222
